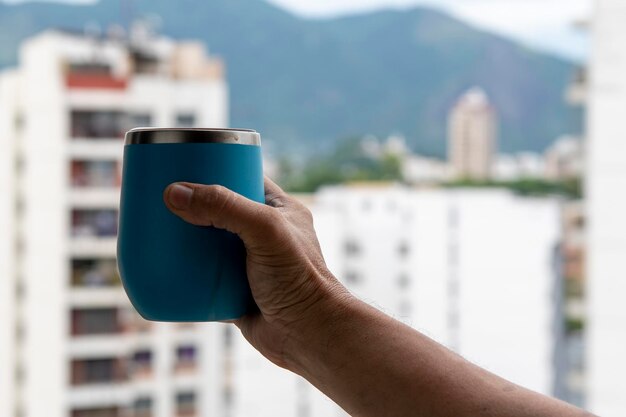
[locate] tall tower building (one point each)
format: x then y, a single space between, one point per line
472 136
606 208
70 344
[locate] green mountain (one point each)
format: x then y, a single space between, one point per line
305 83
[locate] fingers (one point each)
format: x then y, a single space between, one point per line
214 205
274 195
271 187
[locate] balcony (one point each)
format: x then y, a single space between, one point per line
97 124
94 273
96 321
104 124
98 371
95 174
90 223
93 75
95 81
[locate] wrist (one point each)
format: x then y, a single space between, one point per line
310 337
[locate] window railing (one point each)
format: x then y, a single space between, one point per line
97 412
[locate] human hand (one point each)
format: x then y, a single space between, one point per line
286 270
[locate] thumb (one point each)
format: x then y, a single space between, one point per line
214 205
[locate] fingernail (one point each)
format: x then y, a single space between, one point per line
180 196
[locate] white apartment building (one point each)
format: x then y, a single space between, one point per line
518 166
564 159
8 247
476 270
422 170
70 344
606 208
472 133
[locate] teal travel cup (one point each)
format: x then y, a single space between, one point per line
170 269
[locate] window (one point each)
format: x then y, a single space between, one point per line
97 371
144 62
227 395
139 120
404 249
185 120
94 223
352 247
95 174
90 67
97 124
185 404
453 254
353 277
142 363
185 357
228 337
94 273
95 321
404 281
19 122
142 407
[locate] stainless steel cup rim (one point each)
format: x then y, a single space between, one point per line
161 135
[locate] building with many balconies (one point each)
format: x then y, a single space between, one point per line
71 345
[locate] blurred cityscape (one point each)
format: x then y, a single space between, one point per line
512 258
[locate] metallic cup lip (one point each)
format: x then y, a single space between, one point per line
159 135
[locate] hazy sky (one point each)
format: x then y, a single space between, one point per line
546 24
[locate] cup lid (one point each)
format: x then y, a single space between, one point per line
158 135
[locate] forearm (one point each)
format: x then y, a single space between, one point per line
372 365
